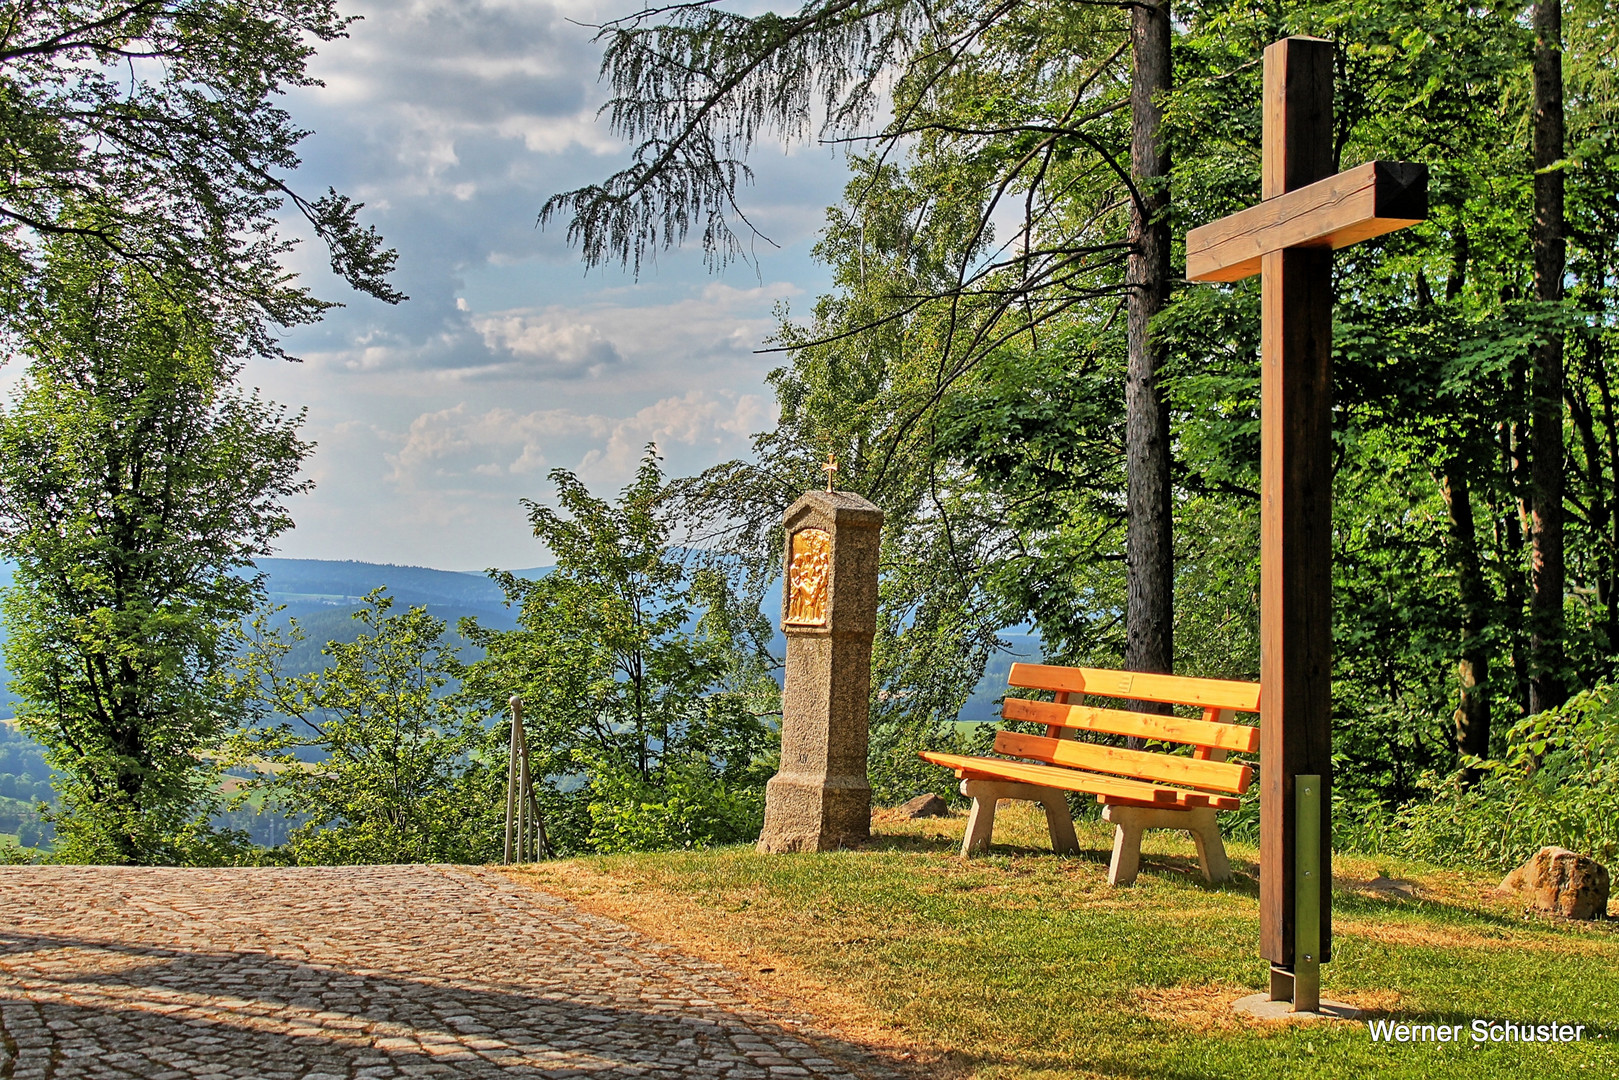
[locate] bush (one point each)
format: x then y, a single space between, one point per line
689 808
1557 784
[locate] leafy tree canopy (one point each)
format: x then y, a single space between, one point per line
645 680
136 486
152 128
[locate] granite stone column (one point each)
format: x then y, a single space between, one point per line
821 799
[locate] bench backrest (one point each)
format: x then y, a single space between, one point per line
1212 736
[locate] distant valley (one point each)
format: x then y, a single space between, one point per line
322 594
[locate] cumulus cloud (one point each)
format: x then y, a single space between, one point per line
450 447
439 81
454 120
555 348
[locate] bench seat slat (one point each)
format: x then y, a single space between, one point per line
1223 802
1137 764
1064 779
1235 737
1138 686
1184 800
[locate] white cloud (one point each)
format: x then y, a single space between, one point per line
454 120
444 450
558 348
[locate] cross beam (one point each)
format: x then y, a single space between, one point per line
1357 204
1288 239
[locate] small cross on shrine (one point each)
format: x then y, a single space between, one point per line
829 466
1288 239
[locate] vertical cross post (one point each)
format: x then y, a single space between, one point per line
1307 213
1296 509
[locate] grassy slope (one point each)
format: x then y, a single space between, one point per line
1023 965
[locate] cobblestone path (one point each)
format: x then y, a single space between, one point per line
319 973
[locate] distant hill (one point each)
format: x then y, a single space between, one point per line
323 593
308 585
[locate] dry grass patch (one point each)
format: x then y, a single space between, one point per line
1023 965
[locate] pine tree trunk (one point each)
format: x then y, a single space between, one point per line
1546 385
1150 556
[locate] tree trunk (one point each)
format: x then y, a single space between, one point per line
1509 556
1610 540
1472 717
1149 543
1546 688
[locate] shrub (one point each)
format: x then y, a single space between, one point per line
1557 784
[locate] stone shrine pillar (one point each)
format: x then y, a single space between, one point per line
821 799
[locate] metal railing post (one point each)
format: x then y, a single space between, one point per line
524 825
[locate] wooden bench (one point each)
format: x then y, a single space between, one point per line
1138 789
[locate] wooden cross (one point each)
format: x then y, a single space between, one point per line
1288 239
829 466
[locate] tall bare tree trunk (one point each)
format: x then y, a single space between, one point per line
1472 716
1149 543
1610 432
1546 688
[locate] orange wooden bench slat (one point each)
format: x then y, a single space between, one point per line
1237 737
1219 802
1055 776
1138 686
1137 764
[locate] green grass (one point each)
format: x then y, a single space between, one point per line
1024 965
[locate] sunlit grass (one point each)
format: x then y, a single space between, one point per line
1023 964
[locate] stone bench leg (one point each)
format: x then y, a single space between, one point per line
1131 821
986 793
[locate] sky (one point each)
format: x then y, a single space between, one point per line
453 120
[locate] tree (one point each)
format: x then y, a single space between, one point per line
1024 90
645 682
1022 116
136 486
150 128
1149 639
379 757
1548 239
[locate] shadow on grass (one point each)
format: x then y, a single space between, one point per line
1183 869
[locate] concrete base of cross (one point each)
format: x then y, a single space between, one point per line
1261 1007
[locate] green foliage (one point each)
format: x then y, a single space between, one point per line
1558 784
645 681
689 807
972 384
152 131
136 485
383 763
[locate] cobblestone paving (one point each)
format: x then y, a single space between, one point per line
324 973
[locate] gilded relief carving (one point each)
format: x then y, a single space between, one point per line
807 577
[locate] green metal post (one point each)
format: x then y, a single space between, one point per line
1307 886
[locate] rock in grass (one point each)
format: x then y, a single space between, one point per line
1558 880
922 806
